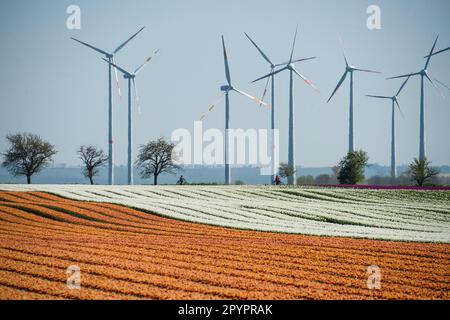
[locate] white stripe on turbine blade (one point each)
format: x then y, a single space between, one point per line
307 81
138 69
270 74
338 85
259 49
117 80
265 90
128 40
251 97
119 68
213 106
92 47
225 59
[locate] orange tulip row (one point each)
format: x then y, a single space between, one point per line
124 253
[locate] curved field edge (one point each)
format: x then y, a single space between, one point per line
397 215
127 254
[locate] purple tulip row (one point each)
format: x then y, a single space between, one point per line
368 187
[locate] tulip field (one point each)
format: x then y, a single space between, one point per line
404 215
220 242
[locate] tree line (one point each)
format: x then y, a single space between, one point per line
350 171
28 154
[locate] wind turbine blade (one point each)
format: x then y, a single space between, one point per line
128 40
293 44
117 80
116 66
403 85
399 109
303 59
343 50
136 96
213 106
225 59
270 74
338 85
404 76
294 61
442 84
259 49
250 96
307 81
92 47
145 62
281 64
366 70
265 90
378 97
438 52
435 87
431 53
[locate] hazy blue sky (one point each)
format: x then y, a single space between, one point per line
54 87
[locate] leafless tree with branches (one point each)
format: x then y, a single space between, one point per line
92 159
156 157
27 154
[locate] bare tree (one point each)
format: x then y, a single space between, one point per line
156 157
92 159
27 154
421 171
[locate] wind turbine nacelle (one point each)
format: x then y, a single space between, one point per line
226 88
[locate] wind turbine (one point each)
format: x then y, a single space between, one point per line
130 76
289 65
226 89
110 57
394 102
349 69
423 74
272 119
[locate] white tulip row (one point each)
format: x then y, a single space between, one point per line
404 215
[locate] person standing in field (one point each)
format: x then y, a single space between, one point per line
277 180
181 181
